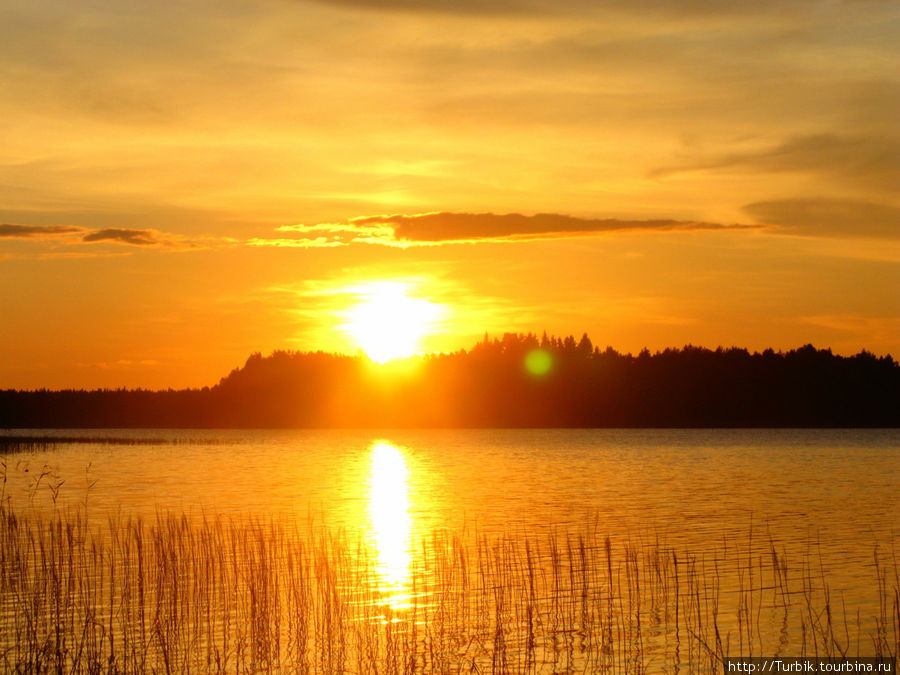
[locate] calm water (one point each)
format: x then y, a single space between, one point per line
826 494
689 487
674 480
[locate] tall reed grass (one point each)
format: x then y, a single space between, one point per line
30 443
225 595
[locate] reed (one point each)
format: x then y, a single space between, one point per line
13 443
219 594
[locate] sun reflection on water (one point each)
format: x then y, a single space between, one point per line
391 523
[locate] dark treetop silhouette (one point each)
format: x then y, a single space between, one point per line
489 386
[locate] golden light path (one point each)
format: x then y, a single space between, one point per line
391 523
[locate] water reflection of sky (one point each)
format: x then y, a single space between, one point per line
688 487
390 521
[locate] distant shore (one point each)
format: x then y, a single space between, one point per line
516 381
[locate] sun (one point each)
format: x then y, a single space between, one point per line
387 323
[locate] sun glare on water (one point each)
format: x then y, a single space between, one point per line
390 521
387 323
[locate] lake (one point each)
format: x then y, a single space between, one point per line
755 510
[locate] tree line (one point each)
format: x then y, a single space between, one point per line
489 385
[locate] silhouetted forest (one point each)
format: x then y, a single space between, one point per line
489 386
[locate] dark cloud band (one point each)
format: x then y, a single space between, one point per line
447 226
125 236
36 231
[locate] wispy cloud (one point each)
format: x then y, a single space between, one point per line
847 331
156 239
829 217
429 229
68 241
353 227
36 231
867 160
854 322
127 236
317 242
555 7
446 226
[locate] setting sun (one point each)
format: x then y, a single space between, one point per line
525 336
387 323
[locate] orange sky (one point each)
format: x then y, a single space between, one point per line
184 183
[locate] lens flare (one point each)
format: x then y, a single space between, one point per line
538 362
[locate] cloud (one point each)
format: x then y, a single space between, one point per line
848 331
36 231
316 242
125 236
545 7
865 325
65 236
457 7
432 229
829 217
154 238
865 160
448 227
353 228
